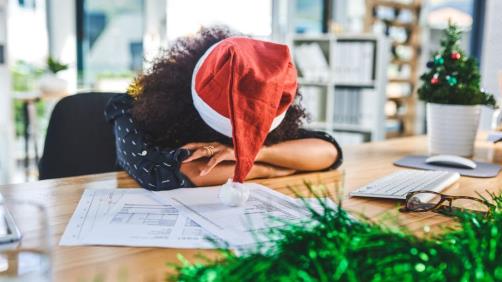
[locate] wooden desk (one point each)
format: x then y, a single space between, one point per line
363 163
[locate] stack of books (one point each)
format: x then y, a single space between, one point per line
353 62
312 63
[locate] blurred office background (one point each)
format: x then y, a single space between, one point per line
359 60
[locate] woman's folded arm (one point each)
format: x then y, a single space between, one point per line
225 170
154 168
162 169
312 151
308 154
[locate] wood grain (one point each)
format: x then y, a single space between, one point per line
363 163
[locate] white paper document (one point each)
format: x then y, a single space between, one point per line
242 225
181 218
494 136
131 217
93 206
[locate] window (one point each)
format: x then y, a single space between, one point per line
27 4
110 43
308 16
459 12
250 17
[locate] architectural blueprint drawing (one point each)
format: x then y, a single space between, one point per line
130 217
141 218
248 224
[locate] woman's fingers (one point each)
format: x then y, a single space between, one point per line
201 150
197 154
215 160
198 150
194 146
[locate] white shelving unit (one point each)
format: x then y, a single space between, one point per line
346 92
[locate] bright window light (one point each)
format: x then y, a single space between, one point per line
252 17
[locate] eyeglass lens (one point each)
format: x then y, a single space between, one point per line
423 201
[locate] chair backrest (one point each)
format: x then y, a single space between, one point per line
79 140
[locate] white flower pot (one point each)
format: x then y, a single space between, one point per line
452 129
51 85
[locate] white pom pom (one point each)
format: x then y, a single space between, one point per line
233 193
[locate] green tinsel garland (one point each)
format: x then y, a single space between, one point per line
337 248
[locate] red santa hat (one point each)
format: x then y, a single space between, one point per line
242 88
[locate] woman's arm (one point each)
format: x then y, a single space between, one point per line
308 154
225 170
301 154
154 168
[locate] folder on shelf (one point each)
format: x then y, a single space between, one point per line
311 62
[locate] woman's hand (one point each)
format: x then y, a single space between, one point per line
222 172
216 152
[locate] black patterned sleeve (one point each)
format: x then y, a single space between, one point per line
305 133
153 167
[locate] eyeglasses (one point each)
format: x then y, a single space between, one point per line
424 201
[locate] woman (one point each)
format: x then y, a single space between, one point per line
164 143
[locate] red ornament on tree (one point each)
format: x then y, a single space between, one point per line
435 80
455 55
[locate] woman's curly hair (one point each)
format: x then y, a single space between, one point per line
164 110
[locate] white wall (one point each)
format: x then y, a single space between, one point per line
491 61
155 26
27 29
62 37
6 118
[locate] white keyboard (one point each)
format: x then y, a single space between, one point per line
398 184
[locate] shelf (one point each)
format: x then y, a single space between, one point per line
396 5
335 84
395 117
339 127
391 135
402 80
350 128
403 62
399 98
407 44
406 117
328 92
315 83
312 37
410 26
355 85
400 117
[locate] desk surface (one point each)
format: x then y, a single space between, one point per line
363 163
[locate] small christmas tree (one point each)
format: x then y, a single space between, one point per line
453 77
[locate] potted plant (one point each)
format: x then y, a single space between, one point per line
50 84
451 89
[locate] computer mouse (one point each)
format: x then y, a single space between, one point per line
451 160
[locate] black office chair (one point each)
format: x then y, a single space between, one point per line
79 140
